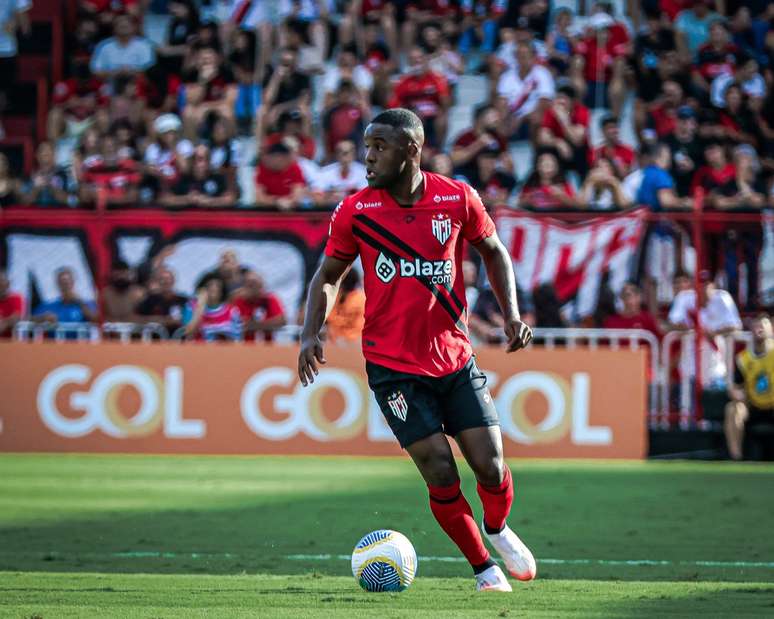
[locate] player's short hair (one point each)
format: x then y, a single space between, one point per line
401 118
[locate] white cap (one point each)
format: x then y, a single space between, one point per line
601 20
167 122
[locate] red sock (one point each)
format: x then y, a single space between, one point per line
497 501
453 513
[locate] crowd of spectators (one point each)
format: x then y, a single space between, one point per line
285 89
230 302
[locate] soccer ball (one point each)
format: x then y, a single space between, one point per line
384 560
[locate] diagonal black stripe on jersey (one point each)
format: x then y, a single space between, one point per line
398 242
456 316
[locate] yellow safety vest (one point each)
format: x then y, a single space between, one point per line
758 374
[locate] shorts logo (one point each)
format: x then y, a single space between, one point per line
442 227
361 205
385 268
398 405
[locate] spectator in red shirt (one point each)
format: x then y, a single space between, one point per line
717 170
114 179
11 306
279 181
261 310
484 137
345 119
427 94
632 315
619 154
716 57
565 128
599 62
547 188
293 123
736 122
663 113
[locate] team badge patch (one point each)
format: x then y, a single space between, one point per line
442 227
398 405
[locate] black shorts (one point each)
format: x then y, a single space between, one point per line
417 406
759 416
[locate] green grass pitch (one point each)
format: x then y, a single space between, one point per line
158 537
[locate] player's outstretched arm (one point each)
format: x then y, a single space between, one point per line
323 290
499 268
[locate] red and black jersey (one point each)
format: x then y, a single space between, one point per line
711 62
415 314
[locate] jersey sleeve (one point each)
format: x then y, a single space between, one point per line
341 242
478 224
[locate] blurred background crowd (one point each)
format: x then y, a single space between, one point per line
569 104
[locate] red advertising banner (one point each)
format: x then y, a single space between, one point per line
244 399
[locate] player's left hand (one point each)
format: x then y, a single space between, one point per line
518 334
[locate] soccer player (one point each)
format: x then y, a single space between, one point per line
408 228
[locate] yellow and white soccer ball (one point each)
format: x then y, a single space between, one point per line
384 560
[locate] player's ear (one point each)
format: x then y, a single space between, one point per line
412 148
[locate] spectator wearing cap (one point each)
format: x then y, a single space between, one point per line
426 93
69 307
565 128
260 309
11 306
347 69
292 123
657 189
547 188
168 155
201 186
122 294
619 154
124 54
114 179
599 61
345 118
285 88
686 149
483 137
341 178
718 56
602 189
692 27
526 91
279 181
49 184
210 87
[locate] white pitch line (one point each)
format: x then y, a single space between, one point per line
609 562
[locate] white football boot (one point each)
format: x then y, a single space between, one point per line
518 559
492 579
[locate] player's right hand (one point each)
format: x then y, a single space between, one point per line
310 355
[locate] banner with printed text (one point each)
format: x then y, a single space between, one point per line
247 399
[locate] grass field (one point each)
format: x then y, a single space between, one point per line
151 536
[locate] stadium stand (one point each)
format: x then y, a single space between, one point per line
575 111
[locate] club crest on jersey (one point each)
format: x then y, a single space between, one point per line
398 405
442 227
